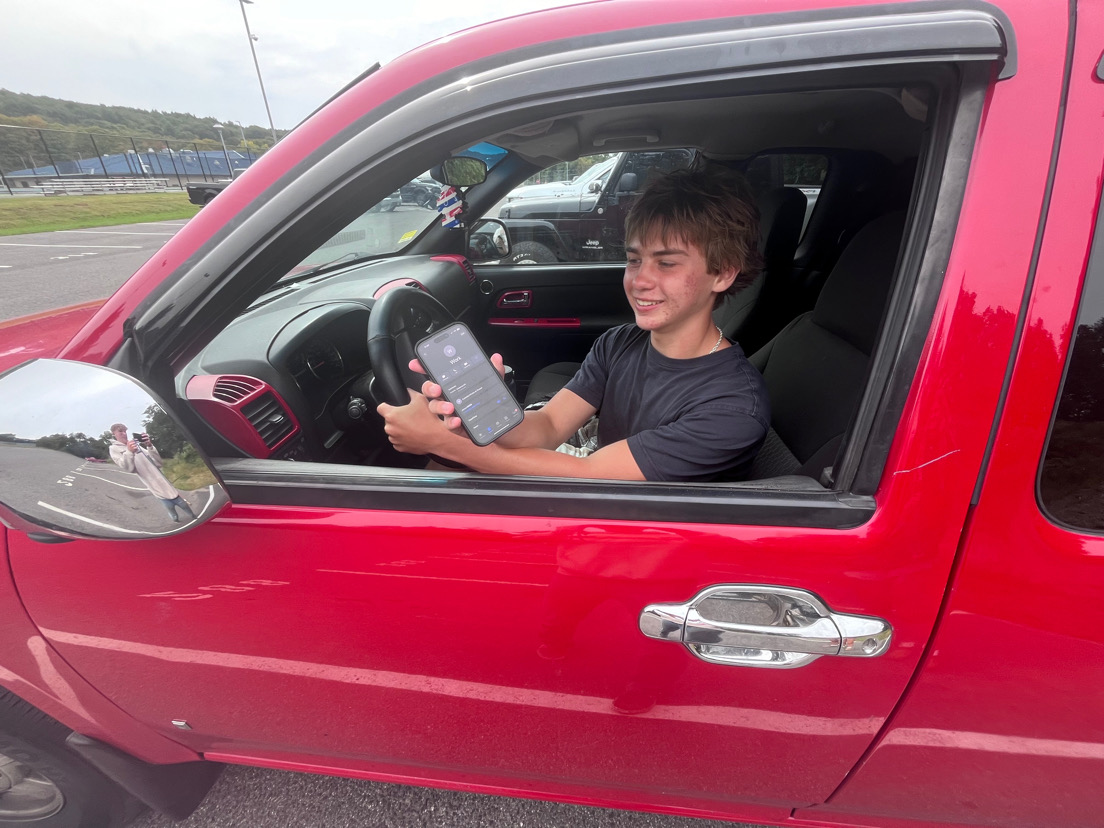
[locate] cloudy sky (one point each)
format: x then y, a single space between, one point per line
193 55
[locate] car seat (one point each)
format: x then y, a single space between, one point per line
816 367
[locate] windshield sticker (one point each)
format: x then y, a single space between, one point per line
405 237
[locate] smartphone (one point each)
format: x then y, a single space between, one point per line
484 404
134 435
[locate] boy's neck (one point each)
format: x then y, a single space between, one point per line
697 341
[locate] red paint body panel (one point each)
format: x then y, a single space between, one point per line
492 653
375 613
41 334
34 670
1027 593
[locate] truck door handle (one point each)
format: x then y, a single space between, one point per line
756 625
516 299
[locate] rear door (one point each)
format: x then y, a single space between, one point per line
1006 721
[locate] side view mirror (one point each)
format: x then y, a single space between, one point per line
594 187
489 241
463 171
88 452
627 183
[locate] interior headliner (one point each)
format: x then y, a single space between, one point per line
889 121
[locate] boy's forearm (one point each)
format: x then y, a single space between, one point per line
535 431
496 458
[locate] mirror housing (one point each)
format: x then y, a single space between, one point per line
627 183
64 472
489 241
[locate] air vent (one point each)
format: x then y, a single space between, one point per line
268 416
461 261
244 410
233 389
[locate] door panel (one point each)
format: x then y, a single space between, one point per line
568 307
498 646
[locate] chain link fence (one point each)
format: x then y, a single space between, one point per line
48 161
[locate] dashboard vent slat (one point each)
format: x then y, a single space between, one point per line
269 418
232 389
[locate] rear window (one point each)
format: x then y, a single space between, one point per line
1071 485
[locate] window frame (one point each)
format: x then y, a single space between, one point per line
170 326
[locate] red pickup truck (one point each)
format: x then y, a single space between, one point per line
897 621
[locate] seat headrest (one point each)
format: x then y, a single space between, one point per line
781 214
853 299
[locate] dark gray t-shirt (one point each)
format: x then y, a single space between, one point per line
684 419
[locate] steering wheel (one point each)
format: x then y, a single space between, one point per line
400 318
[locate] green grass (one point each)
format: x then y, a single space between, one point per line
188 473
37 214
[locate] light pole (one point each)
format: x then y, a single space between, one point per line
229 166
252 37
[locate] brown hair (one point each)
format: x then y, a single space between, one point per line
711 209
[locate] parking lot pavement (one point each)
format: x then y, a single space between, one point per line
260 797
42 271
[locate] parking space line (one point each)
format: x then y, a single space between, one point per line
116 232
103 246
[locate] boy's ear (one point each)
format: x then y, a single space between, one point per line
724 279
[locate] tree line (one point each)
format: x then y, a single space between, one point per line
40 111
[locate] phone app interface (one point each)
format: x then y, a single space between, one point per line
472 384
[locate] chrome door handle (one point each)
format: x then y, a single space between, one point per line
756 625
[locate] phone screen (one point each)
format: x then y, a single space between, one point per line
470 382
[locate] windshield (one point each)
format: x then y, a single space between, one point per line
393 222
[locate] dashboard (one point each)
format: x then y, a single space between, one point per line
283 379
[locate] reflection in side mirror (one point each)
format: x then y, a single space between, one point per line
464 172
88 452
488 241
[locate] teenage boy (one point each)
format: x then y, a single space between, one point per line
676 400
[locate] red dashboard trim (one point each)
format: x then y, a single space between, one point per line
227 416
558 322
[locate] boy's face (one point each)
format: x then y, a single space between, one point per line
669 286
120 434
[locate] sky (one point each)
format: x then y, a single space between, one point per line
106 398
193 55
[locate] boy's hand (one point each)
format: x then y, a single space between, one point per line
412 428
442 407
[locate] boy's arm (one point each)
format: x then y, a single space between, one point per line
526 449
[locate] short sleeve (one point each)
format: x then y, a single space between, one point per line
589 381
700 445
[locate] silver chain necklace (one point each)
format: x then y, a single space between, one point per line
720 339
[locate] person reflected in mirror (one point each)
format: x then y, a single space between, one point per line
138 454
677 400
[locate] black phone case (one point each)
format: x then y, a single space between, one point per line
475 438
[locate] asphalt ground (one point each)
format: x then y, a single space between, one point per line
43 271
261 798
81 495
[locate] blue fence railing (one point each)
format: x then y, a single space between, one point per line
28 155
